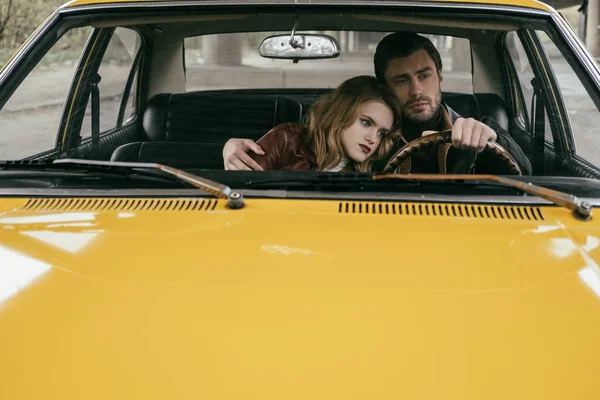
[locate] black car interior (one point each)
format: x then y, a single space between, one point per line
190 129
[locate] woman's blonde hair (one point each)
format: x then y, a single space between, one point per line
333 113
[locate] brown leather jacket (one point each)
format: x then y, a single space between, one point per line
285 149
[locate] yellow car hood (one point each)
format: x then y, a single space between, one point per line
290 299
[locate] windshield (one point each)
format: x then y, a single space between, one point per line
405 94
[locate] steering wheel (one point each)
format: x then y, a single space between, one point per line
494 159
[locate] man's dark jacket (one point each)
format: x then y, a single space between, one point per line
461 161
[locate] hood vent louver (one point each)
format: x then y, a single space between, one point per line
118 204
444 210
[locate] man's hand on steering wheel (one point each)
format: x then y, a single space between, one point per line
494 159
468 133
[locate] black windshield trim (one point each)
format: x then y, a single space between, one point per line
286 195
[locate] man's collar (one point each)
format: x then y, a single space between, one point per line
450 116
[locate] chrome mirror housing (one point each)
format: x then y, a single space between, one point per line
299 47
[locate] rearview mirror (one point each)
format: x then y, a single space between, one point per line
299 47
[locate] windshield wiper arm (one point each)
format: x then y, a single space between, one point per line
581 210
234 199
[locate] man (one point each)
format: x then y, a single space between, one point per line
411 65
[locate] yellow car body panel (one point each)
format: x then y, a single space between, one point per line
296 299
518 3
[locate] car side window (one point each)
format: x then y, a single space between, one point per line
115 71
525 75
30 119
583 113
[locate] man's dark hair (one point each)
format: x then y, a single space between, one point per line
402 44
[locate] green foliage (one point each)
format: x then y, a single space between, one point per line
18 19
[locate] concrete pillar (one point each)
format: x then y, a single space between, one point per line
591 30
222 49
343 41
364 39
461 55
581 28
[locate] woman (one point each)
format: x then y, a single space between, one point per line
346 131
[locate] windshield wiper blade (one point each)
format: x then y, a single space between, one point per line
234 199
310 179
580 209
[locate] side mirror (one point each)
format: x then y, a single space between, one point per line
299 47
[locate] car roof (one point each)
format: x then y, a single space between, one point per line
516 3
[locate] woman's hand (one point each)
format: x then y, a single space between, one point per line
236 158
